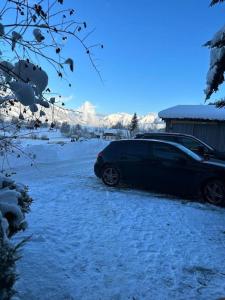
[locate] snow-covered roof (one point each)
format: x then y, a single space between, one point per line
203 112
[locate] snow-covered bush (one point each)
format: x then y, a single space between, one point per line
7 265
14 204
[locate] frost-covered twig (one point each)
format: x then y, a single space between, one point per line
40 30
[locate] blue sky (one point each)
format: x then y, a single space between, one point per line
153 56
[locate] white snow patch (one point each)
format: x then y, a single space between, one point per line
204 112
94 242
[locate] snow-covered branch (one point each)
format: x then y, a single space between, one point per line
39 32
215 76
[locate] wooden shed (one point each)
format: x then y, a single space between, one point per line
205 122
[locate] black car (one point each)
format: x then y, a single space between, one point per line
162 166
189 141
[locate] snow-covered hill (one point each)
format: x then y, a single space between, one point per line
86 115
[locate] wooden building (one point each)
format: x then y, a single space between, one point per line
205 122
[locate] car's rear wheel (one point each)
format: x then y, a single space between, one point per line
214 192
110 176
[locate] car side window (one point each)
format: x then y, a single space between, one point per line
191 144
166 152
115 149
140 150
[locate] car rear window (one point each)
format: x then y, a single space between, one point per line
139 149
115 147
131 149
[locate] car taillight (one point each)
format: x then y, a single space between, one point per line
100 154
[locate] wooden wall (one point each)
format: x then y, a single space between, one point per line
212 133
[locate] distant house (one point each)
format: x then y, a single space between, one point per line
206 122
109 136
115 134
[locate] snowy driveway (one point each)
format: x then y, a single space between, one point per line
93 242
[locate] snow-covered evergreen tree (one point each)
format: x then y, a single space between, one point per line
134 124
215 76
216 1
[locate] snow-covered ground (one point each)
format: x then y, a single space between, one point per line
94 242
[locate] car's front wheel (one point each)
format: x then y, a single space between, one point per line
110 176
214 192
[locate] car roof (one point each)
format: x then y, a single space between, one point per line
165 134
176 134
147 141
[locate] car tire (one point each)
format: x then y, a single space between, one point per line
110 175
214 192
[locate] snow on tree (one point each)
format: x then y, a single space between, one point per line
215 76
39 33
134 123
216 1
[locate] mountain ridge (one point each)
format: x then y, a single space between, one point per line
86 115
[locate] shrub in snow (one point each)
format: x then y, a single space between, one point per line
14 204
7 266
9 254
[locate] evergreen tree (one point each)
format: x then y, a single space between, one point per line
215 76
134 123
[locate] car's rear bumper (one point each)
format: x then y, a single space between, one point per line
97 170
